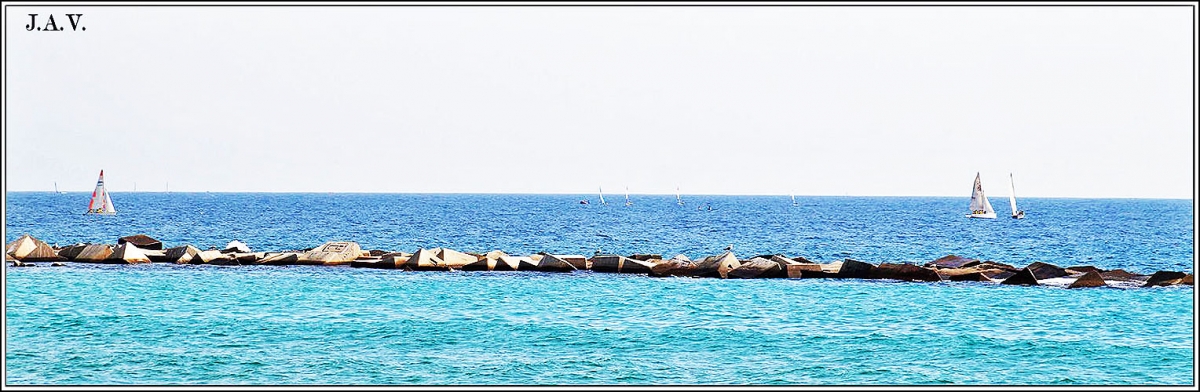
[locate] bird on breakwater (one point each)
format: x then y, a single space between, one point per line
730 247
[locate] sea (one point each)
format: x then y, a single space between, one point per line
166 324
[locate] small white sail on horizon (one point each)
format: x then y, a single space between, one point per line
627 202
602 196
678 200
1012 199
980 207
101 202
794 199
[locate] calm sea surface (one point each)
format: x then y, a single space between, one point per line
168 324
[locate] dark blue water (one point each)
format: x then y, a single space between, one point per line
167 324
1140 235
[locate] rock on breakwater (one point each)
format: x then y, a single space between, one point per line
26 251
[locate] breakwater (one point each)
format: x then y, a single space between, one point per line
28 251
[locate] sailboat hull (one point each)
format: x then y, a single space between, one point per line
990 215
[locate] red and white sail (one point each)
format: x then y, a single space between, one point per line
101 202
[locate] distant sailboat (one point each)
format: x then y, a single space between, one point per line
678 200
101 202
602 196
627 202
980 207
56 188
794 200
1012 199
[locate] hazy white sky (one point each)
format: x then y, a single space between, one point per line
1075 101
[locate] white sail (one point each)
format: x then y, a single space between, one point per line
1012 195
1012 199
793 199
602 196
678 200
101 202
108 205
627 202
979 202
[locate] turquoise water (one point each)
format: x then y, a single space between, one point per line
166 324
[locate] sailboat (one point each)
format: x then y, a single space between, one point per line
602 196
627 202
794 200
1012 199
101 202
980 207
56 188
678 200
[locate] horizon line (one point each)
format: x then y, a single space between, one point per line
618 194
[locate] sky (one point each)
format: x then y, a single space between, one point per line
864 101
